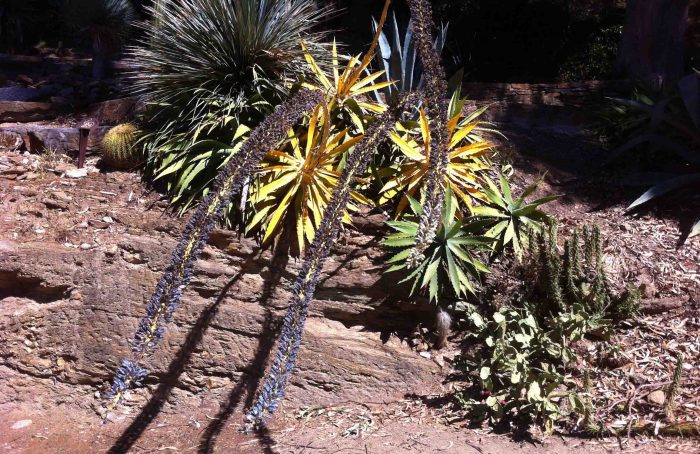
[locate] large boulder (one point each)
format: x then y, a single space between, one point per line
66 315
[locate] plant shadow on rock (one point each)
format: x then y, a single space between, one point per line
248 383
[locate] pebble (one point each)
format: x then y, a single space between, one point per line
76 173
85 246
657 397
22 423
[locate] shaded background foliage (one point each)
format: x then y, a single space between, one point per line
504 41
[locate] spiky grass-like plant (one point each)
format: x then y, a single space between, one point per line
434 94
169 290
119 147
211 70
209 60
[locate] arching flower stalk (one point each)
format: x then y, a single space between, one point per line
177 275
272 390
434 99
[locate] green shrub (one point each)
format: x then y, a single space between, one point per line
597 60
119 149
518 367
518 374
210 71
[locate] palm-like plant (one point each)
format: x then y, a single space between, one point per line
107 22
297 180
448 261
467 158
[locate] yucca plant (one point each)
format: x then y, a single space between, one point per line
296 181
398 58
509 218
106 21
210 71
467 158
450 263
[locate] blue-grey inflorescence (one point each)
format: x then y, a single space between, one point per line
169 290
272 390
434 94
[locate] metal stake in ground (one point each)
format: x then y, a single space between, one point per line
84 131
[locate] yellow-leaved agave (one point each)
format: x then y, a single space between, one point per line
468 158
347 91
296 181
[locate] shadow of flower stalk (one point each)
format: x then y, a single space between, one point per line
169 290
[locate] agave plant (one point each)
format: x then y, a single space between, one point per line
449 260
672 125
346 89
509 219
210 71
399 59
106 21
467 158
296 181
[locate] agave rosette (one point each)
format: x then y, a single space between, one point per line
296 180
468 158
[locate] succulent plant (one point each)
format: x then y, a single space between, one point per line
119 147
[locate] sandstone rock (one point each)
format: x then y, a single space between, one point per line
11 111
222 332
114 111
38 138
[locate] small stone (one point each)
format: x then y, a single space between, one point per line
657 397
425 355
62 196
134 259
85 246
108 220
98 224
22 423
112 251
76 173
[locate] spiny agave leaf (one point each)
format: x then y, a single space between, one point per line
400 241
406 227
665 188
695 230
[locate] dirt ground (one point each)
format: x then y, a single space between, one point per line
41 203
400 427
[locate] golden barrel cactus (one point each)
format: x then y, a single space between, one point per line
119 148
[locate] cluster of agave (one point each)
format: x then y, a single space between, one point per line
237 172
